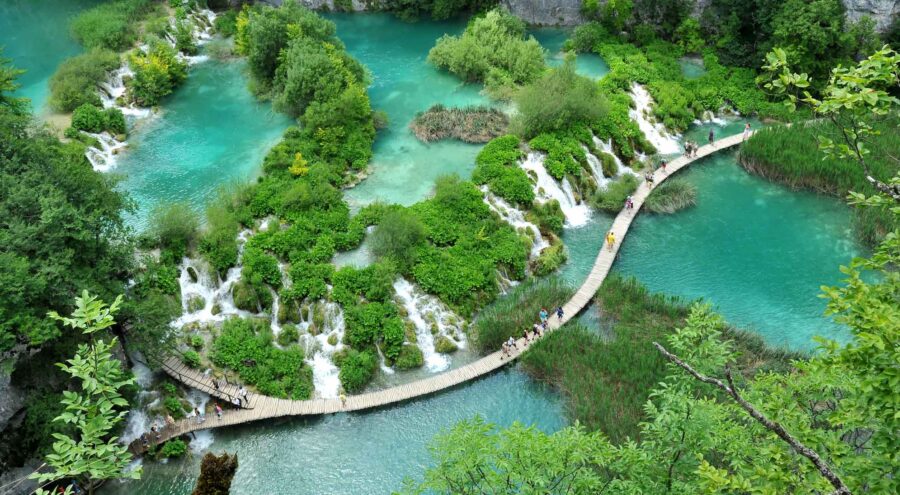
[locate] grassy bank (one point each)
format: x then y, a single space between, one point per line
471 124
607 378
790 155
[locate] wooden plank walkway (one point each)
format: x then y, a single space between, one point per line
263 407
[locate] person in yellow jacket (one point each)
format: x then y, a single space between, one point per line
610 240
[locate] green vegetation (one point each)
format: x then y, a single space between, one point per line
396 238
550 259
607 378
471 124
90 118
671 196
216 473
356 369
175 228
517 311
288 335
76 80
493 50
559 100
497 166
172 449
245 346
410 357
156 74
548 216
436 9
612 198
110 25
191 358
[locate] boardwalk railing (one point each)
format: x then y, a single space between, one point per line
269 407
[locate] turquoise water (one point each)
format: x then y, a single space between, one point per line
357 453
692 68
211 132
35 35
587 64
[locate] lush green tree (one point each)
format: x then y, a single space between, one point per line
156 74
397 237
493 49
76 80
216 473
557 101
93 454
110 25
663 16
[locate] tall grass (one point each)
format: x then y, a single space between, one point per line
478 124
790 155
611 199
671 196
607 381
510 315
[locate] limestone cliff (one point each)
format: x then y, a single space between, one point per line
547 12
883 12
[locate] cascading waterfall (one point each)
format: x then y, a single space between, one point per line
596 167
138 422
710 118
606 147
201 440
656 134
319 351
103 157
515 217
547 188
428 313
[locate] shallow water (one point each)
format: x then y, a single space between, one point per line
354 453
587 64
35 35
212 131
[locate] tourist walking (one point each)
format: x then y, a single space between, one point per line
712 137
629 203
170 421
610 240
145 440
662 165
504 350
543 314
537 330
155 430
242 394
199 414
559 312
343 400
648 178
218 411
215 384
746 132
511 342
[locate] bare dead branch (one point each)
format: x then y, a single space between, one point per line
774 427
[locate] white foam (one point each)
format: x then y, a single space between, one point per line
656 133
515 217
423 310
547 188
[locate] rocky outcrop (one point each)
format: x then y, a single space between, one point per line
883 12
547 12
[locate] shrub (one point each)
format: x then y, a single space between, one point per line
109 25
76 80
550 259
226 23
191 358
564 154
156 74
517 311
196 341
557 101
671 196
612 198
173 448
89 118
493 49
397 237
169 388
246 346
444 345
548 216
174 407
410 357
115 121
357 368
174 227
184 39
288 335
497 166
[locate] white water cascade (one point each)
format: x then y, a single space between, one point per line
547 188
319 351
138 422
606 147
103 157
515 217
655 132
427 312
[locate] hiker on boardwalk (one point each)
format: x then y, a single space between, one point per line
526 334
746 132
559 312
199 414
543 314
712 137
629 203
242 395
537 330
687 149
218 411
236 401
155 430
511 342
610 240
343 398
170 421
648 178
215 383
662 165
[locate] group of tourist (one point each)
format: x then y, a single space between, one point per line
532 333
629 202
690 149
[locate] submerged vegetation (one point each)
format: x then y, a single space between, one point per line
471 124
671 196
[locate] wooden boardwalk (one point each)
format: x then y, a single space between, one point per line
263 407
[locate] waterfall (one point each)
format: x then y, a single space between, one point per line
204 438
425 312
515 217
103 157
607 148
596 167
138 422
655 132
710 118
319 351
547 188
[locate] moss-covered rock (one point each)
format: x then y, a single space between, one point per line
288 335
216 309
333 339
244 297
192 273
410 357
444 345
195 303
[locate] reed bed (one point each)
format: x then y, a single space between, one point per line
477 124
510 315
671 196
608 379
790 155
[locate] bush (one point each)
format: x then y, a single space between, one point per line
174 407
288 335
156 74
493 49
671 196
77 79
226 23
557 101
550 259
397 237
444 345
410 357
191 359
245 346
174 227
356 369
184 38
511 315
169 388
173 448
611 199
89 118
497 166
196 342
110 25
548 216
